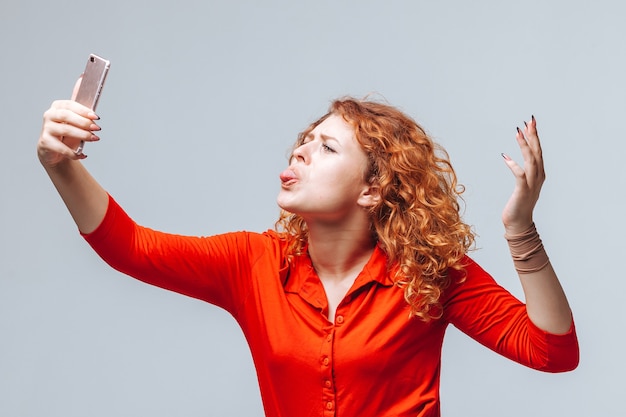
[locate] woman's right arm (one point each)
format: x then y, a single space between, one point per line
65 124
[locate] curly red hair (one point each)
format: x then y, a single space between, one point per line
417 221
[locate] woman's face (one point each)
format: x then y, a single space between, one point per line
326 175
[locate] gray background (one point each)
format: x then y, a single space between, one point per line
202 103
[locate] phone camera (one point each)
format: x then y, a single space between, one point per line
92 59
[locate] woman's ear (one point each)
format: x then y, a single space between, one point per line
370 196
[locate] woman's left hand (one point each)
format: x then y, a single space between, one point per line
518 212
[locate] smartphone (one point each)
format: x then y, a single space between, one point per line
91 85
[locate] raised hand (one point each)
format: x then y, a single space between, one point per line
517 215
65 124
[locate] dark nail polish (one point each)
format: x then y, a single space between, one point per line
533 117
525 124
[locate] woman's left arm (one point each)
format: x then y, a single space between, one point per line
546 303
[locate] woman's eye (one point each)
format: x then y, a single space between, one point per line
327 148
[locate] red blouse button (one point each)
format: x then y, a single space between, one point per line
329 405
339 319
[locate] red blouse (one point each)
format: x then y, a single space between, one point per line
372 361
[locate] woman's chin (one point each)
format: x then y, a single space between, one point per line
283 203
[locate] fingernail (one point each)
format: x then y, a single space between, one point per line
505 156
525 124
95 138
94 126
518 130
93 115
533 117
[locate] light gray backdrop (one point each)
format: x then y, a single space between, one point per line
202 103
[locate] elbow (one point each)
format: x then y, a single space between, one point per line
564 359
561 352
567 364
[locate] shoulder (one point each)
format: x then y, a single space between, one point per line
468 277
474 293
468 270
268 243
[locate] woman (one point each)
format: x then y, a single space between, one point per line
345 306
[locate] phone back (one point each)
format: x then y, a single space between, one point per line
93 79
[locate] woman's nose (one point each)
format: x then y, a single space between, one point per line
300 153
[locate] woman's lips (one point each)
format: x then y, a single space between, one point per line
288 177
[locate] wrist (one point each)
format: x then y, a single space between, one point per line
517 228
527 250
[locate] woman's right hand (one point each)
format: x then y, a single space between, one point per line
65 124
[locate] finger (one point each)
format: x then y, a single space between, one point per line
532 138
67 133
527 151
68 129
533 162
74 107
68 117
76 87
61 120
49 148
518 171
531 134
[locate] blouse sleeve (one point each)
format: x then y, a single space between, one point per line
215 269
488 313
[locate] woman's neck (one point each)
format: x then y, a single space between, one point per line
338 256
337 253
